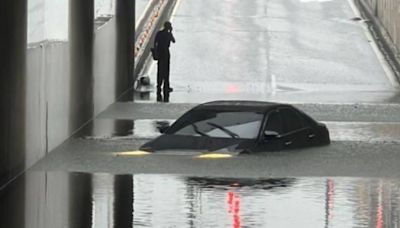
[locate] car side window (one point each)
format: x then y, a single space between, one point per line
292 120
274 123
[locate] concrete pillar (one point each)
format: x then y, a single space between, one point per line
80 200
125 16
123 209
12 204
81 32
13 25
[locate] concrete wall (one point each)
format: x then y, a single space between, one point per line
388 12
385 16
104 55
48 99
51 90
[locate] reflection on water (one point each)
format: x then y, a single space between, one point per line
123 129
58 199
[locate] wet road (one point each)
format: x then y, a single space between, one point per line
291 51
307 53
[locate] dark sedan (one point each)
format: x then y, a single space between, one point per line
240 127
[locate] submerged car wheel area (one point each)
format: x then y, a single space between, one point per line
240 127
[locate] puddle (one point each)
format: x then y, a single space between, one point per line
364 131
58 199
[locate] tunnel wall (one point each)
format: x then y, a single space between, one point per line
51 98
104 55
385 17
388 13
54 88
48 71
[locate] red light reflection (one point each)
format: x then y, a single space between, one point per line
331 198
379 217
232 89
379 212
234 209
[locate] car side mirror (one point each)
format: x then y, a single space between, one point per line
271 134
162 126
163 129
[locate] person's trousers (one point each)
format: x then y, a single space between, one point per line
163 76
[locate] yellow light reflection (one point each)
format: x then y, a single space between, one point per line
214 156
132 153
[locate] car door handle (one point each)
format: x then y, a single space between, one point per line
311 136
288 143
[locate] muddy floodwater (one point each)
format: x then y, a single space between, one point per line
61 199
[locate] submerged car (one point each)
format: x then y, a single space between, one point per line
240 127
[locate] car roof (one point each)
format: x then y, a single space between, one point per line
240 105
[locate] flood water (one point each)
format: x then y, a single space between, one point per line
60 199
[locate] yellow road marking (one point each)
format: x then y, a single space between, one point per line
214 156
132 153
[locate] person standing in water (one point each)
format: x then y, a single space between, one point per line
162 43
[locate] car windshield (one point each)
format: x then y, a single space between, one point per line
219 124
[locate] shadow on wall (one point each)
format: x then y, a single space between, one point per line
13 88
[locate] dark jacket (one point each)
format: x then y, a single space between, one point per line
162 42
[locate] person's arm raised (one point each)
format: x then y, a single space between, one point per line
172 36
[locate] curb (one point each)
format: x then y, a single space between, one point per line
384 40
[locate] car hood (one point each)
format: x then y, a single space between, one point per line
177 144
